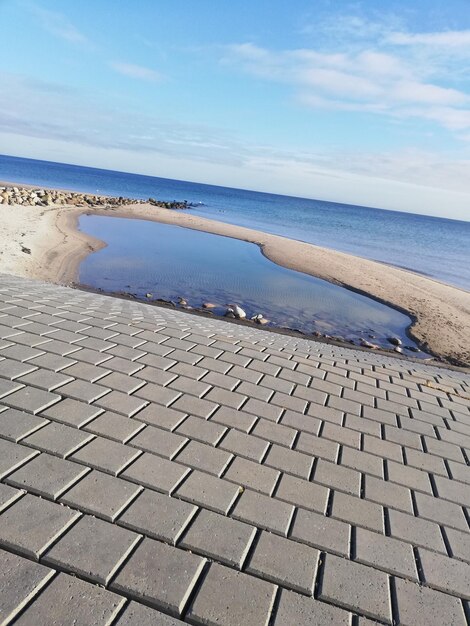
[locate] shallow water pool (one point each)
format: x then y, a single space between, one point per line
170 261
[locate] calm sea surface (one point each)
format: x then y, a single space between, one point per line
432 246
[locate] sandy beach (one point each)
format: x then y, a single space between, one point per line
44 243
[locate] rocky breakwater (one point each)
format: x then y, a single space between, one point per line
52 197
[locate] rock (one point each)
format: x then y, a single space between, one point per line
208 305
149 295
182 301
367 344
263 321
412 348
394 341
238 312
398 349
229 313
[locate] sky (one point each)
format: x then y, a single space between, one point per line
360 102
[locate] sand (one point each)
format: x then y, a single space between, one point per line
440 312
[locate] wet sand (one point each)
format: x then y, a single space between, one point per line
440 312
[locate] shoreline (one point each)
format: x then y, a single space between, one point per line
440 313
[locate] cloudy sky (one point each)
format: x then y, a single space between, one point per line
363 102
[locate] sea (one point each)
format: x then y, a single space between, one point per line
432 246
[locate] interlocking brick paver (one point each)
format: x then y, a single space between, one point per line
275 433
388 494
289 461
418 605
219 537
47 475
337 477
72 412
441 511
452 490
108 456
12 456
158 415
252 475
385 553
264 512
356 587
234 419
32 524
243 445
445 574
263 409
62 602
459 542
417 531
158 516
302 611
22 579
83 391
58 439
159 575
101 495
230 597
362 461
201 430
113 426
203 457
28 399
285 562
138 614
208 491
8 495
409 477
154 472
11 369
358 512
93 549
15 425
321 532
158 441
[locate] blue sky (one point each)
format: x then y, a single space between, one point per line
360 102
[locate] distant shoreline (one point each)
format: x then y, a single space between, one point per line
440 313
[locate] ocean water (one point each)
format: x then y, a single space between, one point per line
436 247
171 262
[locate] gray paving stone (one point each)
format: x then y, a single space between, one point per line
136 614
158 415
87 371
262 409
440 511
289 461
321 532
46 475
195 406
45 379
158 516
409 477
21 581
230 597
114 426
302 493
160 575
285 562
11 369
317 446
234 419
417 605
362 461
304 423
209 492
72 412
201 430
358 512
453 490
302 611
158 441
8 495
416 531
337 477
14 424
274 433
93 549
264 512
122 403
243 445
105 455
252 475
13 456
389 494
219 537
446 574
84 391
101 495
62 602
459 543
32 524
190 386
356 587
203 457
157 473
385 553
58 439
28 399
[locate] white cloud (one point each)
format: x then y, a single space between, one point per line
57 24
397 82
136 71
447 39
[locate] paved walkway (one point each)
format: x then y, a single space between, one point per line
157 466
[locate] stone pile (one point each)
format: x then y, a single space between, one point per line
53 197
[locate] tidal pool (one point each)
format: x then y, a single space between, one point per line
170 261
